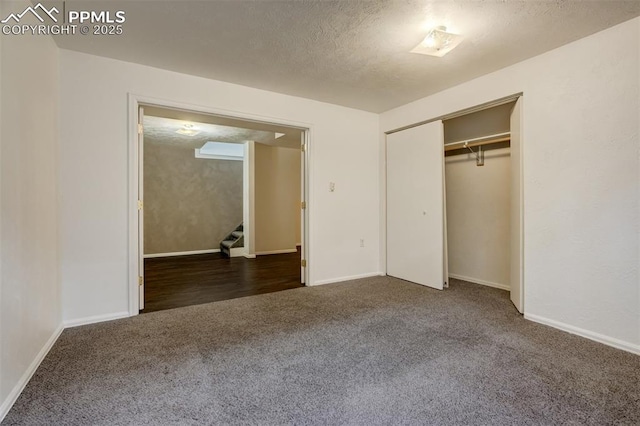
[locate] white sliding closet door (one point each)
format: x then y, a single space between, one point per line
415 205
516 276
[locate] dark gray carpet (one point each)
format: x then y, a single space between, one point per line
373 351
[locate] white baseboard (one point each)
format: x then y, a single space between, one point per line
597 337
482 282
180 253
96 318
283 251
19 387
348 278
250 256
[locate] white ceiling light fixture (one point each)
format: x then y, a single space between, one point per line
188 130
438 42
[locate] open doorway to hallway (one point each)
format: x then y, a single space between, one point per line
221 212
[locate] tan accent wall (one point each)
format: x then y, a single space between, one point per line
277 198
189 203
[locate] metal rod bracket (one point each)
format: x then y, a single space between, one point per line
479 155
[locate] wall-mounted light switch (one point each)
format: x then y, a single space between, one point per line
332 186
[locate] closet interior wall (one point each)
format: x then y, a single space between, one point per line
478 200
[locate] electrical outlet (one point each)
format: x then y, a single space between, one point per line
332 186
361 242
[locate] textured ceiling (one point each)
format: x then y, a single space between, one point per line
351 52
160 126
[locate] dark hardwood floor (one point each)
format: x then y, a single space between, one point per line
173 282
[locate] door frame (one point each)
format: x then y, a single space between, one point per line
475 108
135 170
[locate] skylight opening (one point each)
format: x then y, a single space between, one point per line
221 151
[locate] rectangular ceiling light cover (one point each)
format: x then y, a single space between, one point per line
438 43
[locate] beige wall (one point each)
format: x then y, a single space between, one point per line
189 203
478 216
30 291
93 108
482 123
277 198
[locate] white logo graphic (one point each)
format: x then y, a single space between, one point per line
52 22
18 17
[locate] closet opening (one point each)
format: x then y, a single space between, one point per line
477 164
456 183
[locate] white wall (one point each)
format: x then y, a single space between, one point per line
581 178
277 198
30 317
94 168
478 211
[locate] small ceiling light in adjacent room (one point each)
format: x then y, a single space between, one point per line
438 42
279 135
188 130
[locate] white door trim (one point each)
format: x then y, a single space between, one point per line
248 201
135 101
140 197
517 237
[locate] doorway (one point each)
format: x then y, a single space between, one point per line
191 233
444 219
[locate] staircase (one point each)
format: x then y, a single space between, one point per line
234 240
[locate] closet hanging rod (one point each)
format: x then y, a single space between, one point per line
479 138
484 140
461 145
